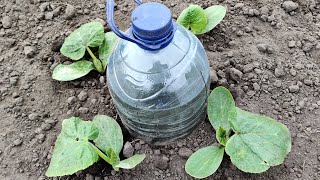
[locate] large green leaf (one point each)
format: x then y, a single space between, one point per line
131 162
72 151
110 134
72 71
88 35
106 48
258 143
214 14
221 108
204 162
193 17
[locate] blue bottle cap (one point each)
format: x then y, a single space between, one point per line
152 26
151 22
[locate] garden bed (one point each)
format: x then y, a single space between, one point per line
267 54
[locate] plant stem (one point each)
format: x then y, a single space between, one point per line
101 154
96 61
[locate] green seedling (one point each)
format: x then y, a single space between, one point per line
80 41
200 21
81 143
257 142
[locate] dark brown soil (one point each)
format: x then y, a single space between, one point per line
276 56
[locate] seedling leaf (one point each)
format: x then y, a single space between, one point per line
114 158
72 151
222 136
221 108
110 134
131 162
72 71
204 162
214 14
193 17
88 35
259 142
106 48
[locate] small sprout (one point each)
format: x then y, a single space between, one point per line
193 18
200 21
74 150
80 41
258 142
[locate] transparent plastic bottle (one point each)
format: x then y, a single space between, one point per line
160 95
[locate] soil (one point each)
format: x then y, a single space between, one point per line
266 52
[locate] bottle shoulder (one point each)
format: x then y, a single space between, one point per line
150 62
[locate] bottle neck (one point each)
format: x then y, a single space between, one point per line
161 41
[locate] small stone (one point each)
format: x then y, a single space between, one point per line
56 45
33 116
157 152
83 95
185 152
41 137
29 51
307 47
71 100
238 6
213 76
44 6
89 177
248 67
94 101
301 103
293 72
230 54
48 15
83 110
264 10
137 146
307 82
102 80
251 93
291 44
70 11
262 47
6 22
13 80
293 88
256 86
128 150
235 74
161 163
56 11
289 6
247 29
279 72
17 142
103 22
15 95
277 83
46 127
240 33
298 66
70 112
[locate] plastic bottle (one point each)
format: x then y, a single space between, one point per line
158 75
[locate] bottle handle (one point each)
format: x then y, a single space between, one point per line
113 26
